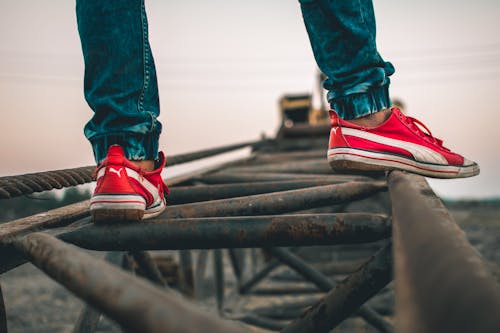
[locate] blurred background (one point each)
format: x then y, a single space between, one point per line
223 64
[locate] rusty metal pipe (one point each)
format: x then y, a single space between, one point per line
148 267
244 177
137 305
313 166
89 318
278 202
442 285
188 194
219 280
325 284
343 300
239 232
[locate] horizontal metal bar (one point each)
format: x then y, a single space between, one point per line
278 202
305 130
316 166
290 156
249 231
345 298
242 177
134 303
188 194
441 283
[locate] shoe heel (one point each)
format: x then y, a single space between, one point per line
106 216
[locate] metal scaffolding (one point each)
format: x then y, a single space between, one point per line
316 245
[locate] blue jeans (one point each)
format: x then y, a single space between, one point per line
120 82
342 36
120 78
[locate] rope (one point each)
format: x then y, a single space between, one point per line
14 186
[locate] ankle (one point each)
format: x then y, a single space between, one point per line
372 120
145 165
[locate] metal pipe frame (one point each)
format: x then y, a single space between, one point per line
343 300
442 285
135 304
224 177
325 284
189 194
234 232
278 202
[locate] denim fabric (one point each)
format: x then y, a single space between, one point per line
342 36
120 78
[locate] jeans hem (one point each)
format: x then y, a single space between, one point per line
135 146
359 105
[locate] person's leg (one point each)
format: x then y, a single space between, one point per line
342 36
366 133
121 88
120 78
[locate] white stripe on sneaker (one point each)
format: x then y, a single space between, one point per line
419 152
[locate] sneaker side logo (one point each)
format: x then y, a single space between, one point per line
118 172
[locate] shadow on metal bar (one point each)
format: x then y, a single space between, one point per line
441 283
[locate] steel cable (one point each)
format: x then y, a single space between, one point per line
14 186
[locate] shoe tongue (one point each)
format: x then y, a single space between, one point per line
115 150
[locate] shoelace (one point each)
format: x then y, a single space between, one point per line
419 127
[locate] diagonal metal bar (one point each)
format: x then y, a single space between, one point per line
249 231
135 304
279 202
347 297
442 285
326 284
148 267
88 320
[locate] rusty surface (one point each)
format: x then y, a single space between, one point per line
49 219
188 194
313 166
135 304
326 284
148 267
278 202
228 232
347 296
441 283
224 177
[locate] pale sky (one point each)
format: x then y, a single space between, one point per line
223 64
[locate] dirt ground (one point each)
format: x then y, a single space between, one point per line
35 303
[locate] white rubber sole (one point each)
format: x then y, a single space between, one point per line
350 159
111 208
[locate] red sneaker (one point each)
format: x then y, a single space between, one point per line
399 143
124 192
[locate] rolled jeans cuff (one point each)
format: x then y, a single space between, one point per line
135 146
358 105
